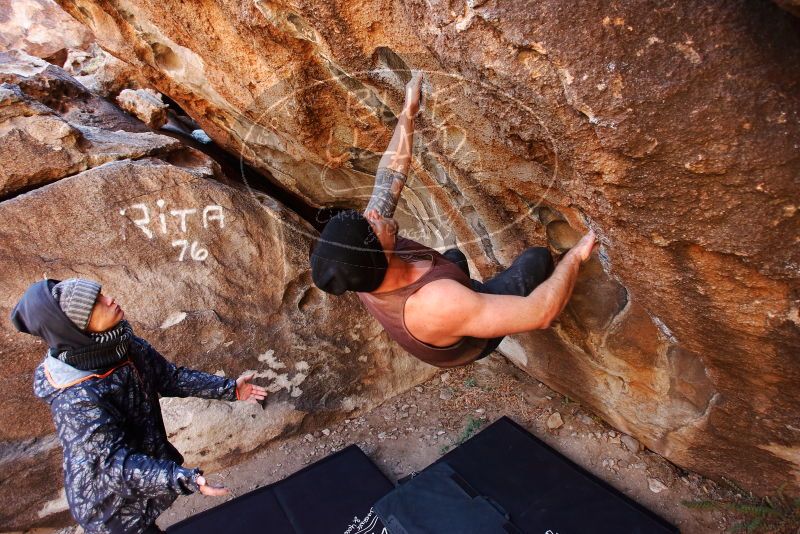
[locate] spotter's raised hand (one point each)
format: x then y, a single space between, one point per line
247 392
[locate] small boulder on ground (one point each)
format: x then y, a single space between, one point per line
555 421
631 443
146 105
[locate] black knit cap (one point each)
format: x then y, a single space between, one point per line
348 256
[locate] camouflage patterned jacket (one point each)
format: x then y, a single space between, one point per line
120 472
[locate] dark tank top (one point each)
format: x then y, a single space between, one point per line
388 308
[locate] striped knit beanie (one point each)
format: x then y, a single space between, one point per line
76 297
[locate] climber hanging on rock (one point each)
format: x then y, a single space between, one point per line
425 300
102 384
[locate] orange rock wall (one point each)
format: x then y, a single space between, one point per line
670 129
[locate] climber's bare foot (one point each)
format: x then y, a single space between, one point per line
583 249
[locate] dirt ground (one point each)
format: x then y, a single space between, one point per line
410 431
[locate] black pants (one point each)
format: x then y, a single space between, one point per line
530 269
153 529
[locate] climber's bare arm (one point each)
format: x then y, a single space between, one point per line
455 311
393 167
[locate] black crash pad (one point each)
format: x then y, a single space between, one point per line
536 488
333 495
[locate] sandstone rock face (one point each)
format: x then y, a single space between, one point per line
792 6
51 86
213 275
41 145
100 72
40 28
672 131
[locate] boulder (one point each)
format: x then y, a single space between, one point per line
672 132
100 72
53 87
213 274
41 145
41 28
144 104
216 279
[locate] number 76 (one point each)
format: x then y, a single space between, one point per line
195 252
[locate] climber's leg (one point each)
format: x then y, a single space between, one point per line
457 257
530 269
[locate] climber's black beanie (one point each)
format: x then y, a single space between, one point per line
348 256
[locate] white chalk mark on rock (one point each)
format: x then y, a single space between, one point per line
181 217
665 331
270 359
59 504
281 381
511 349
655 485
173 319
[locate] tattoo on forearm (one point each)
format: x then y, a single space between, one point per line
386 192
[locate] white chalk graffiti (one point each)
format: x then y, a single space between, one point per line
282 380
196 253
210 214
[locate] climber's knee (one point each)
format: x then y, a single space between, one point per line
457 257
536 265
537 256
